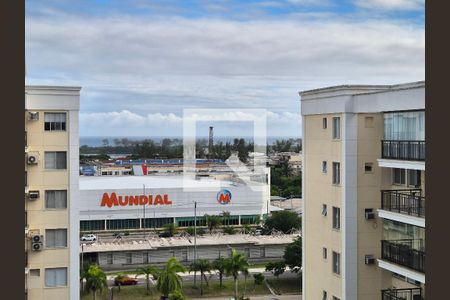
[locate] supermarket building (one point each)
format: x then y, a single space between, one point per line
115 203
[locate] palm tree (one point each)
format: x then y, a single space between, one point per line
168 280
219 265
202 266
147 271
235 264
213 222
246 273
95 279
170 228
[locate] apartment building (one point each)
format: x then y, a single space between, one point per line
364 192
51 192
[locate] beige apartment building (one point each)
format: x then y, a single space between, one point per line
51 192
364 192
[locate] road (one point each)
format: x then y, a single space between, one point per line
261 297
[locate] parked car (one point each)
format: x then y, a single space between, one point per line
165 234
88 238
125 280
258 231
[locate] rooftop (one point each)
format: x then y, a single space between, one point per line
150 181
206 240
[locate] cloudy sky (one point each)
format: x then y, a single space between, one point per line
141 62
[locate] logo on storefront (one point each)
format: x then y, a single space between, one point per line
224 197
114 200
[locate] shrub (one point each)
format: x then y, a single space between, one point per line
229 230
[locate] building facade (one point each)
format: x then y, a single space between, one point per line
123 203
364 192
51 192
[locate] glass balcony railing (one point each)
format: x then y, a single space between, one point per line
409 253
403 150
409 202
402 294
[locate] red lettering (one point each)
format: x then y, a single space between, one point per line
143 200
109 201
224 198
133 200
166 200
158 200
150 200
122 201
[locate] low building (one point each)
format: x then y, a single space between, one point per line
132 254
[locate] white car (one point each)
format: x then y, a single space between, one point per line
88 238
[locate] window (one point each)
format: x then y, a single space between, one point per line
56 199
55 160
324 295
35 272
145 257
414 178
368 122
336 173
324 210
368 167
262 252
324 253
54 121
336 218
398 176
324 167
336 263
55 277
109 258
90 225
336 128
324 123
128 257
55 238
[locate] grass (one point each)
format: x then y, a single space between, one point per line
285 286
214 290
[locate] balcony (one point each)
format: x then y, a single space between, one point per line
403 150
409 253
408 202
402 294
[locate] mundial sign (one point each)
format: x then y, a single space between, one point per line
112 199
224 197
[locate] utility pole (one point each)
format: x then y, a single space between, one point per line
195 240
143 223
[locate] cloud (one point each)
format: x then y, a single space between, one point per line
119 123
391 4
146 66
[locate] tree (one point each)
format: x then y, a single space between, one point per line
168 280
219 265
147 271
177 295
293 255
284 221
277 268
259 278
236 264
212 222
95 279
170 228
202 266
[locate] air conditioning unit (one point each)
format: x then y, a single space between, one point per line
369 214
26 271
37 242
37 246
33 116
37 238
33 195
369 260
33 158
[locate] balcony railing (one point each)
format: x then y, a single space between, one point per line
408 253
409 202
402 294
403 150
